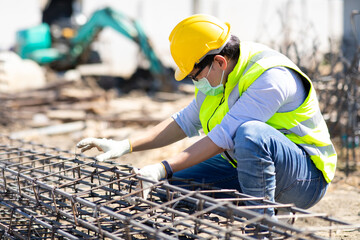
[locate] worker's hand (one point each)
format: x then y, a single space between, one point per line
111 148
153 172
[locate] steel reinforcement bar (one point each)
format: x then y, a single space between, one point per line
48 193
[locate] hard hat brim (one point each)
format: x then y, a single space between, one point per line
179 75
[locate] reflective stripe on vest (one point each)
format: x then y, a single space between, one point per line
304 126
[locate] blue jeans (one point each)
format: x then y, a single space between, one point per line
269 165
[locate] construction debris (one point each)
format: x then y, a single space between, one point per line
48 193
51 130
59 103
18 75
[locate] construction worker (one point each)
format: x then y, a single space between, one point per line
257 109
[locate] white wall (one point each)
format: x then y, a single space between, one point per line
306 22
273 22
16 15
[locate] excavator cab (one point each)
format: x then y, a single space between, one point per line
36 44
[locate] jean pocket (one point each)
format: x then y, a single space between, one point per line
304 193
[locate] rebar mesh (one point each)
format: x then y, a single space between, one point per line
48 193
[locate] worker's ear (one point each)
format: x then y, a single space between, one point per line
221 61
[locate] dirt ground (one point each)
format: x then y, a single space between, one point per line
342 200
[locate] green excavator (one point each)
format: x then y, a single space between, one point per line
73 48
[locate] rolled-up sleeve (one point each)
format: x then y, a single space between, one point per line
188 119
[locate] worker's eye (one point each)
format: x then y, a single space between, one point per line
196 74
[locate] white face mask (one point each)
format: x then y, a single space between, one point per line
205 87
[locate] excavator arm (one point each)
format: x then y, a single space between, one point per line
131 29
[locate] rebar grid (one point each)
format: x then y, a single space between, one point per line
48 193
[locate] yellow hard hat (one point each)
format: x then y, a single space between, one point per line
194 38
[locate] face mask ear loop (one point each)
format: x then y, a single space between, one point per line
209 70
222 76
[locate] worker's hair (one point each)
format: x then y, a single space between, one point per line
231 50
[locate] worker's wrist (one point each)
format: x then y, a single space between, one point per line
168 170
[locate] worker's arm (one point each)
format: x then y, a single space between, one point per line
200 151
161 135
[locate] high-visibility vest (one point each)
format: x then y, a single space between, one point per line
304 126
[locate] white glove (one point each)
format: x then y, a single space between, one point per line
111 148
153 172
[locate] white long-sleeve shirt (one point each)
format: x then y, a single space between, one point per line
276 90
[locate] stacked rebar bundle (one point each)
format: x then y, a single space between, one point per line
47 193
